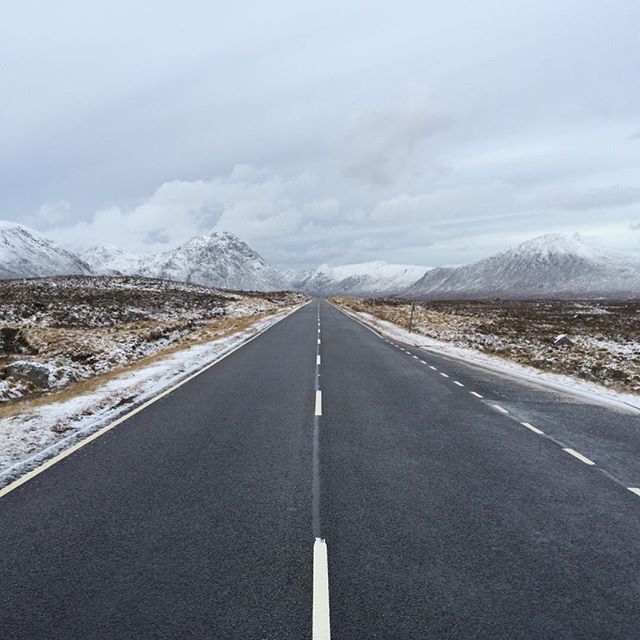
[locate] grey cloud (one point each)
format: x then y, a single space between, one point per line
383 144
321 132
601 198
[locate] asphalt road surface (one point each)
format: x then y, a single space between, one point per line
454 502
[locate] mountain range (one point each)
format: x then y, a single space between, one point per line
27 254
552 265
362 279
219 260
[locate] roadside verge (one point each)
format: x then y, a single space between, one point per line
33 441
494 364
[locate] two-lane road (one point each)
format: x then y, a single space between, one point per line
444 516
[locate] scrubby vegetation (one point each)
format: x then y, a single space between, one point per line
603 343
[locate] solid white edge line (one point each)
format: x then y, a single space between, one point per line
321 622
96 434
476 394
499 408
532 428
318 402
635 490
579 456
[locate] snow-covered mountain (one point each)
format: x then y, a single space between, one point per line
363 279
107 259
25 253
218 259
552 265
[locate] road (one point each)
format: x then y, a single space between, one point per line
444 516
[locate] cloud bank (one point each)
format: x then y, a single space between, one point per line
409 132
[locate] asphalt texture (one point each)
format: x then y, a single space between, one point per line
444 517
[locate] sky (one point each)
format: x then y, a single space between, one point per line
426 133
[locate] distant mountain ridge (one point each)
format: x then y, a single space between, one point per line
24 253
362 279
552 265
218 260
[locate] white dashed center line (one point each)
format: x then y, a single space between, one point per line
458 383
318 340
318 402
499 408
532 428
416 357
423 362
432 367
579 456
321 629
476 394
318 360
444 375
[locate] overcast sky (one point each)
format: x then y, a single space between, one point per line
416 132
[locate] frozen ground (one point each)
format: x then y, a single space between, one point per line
39 431
77 352
58 331
604 367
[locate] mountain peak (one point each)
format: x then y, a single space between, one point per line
552 265
215 259
24 253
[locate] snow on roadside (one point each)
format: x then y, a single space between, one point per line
29 438
558 381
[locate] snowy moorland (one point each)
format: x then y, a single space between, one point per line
594 342
75 351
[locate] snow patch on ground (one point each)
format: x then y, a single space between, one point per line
29 438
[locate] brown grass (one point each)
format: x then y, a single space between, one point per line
605 333
214 330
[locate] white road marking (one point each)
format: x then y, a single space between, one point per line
444 375
321 627
499 408
476 394
416 357
423 362
318 340
318 402
532 428
458 383
432 367
635 490
96 434
318 360
579 456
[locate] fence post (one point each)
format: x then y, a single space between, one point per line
413 307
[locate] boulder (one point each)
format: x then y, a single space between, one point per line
33 372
